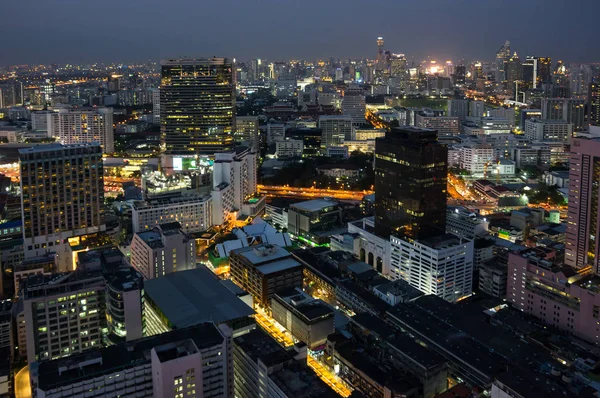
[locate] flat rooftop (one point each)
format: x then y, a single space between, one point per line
314 205
195 296
259 345
66 371
262 254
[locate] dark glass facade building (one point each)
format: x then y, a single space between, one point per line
411 172
197 106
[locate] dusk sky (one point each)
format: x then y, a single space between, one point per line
61 31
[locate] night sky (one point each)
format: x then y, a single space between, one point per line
79 31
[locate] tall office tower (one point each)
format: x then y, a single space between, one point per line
411 172
460 74
380 66
197 107
458 108
83 125
476 108
354 104
502 57
570 110
62 195
234 183
529 68
163 250
583 226
194 362
594 104
544 70
246 132
335 129
513 71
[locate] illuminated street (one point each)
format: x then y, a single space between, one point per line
274 329
283 337
278 191
22 383
329 377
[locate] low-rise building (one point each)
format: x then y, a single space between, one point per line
312 220
346 171
289 148
461 222
188 298
307 319
263 270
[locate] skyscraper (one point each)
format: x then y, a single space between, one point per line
62 195
513 71
411 169
380 67
197 107
502 57
583 227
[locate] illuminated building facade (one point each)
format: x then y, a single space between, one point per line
594 104
83 125
411 172
583 227
62 195
197 106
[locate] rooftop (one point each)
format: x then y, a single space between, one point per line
314 205
261 254
259 345
91 364
194 296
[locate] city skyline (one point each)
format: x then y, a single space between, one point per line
455 31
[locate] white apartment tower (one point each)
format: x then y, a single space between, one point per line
234 181
83 125
441 265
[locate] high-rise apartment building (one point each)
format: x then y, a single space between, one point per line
444 125
163 250
83 125
411 172
335 129
62 195
99 304
354 104
234 183
156 105
594 104
570 110
197 107
246 132
583 226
